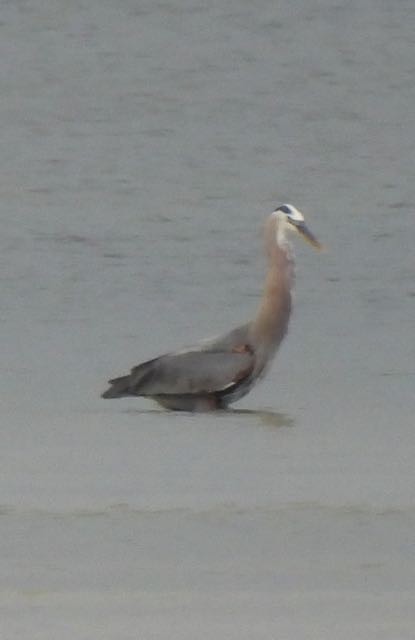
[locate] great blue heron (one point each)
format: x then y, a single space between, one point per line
215 373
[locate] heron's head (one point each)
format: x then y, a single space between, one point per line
291 219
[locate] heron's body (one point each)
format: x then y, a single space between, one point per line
215 373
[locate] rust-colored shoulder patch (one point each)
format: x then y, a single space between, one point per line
243 348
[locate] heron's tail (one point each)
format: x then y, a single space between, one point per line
120 387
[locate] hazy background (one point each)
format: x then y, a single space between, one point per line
142 146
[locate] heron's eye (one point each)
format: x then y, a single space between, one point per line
286 210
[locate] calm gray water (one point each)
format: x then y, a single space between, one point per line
142 146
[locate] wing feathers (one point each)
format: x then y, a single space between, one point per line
192 372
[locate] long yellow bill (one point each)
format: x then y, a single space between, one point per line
308 236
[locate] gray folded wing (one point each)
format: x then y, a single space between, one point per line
190 372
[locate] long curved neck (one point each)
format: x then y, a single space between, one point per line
271 322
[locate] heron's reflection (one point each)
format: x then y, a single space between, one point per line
266 417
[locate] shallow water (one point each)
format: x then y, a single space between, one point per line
142 148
